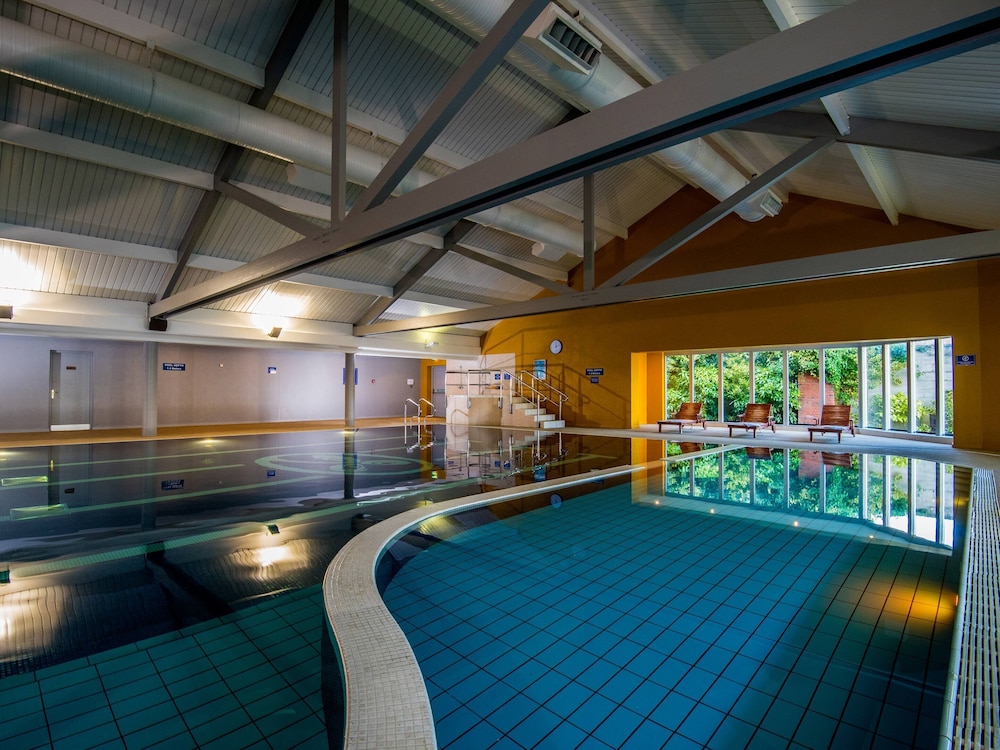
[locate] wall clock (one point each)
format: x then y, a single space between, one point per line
555 346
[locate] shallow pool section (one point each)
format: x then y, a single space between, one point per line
625 618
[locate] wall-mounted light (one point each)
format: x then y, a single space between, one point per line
274 332
6 312
272 528
429 344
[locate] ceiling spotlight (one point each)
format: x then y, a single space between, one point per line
6 312
274 332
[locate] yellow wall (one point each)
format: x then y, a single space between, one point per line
960 300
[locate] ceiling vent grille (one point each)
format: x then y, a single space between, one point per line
770 203
563 41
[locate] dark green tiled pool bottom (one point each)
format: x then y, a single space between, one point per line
250 679
605 623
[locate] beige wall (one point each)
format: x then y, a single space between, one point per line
961 301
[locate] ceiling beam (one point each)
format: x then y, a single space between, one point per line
901 256
785 16
933 140
460 87
288 42
509 268
810 60
417 271
718 212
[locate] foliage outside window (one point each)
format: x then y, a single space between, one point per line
769 382
735 383
928 361
706 384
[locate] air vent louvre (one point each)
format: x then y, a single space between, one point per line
563 41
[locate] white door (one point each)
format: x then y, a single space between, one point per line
70 394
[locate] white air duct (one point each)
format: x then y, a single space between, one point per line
695 161
28 53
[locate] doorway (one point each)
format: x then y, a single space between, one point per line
438 396
70 392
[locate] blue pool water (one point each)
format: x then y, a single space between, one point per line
658 614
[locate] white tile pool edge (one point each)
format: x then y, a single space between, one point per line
386 703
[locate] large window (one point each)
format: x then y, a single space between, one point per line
899 385
678 369
769 382
735 383
804 398
899 388
874 366
706 384
925 386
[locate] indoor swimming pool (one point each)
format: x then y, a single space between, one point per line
740 597
168 593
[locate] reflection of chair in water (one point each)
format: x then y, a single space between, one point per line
690 447
688 414
836 459
754 417
833 418
757 453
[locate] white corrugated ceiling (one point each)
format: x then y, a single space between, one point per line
98 201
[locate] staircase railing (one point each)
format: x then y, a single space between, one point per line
540 391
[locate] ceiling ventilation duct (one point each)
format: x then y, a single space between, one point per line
562 41
29 53
695 161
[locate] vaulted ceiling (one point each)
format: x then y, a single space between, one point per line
221 166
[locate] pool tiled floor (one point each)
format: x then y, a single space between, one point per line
250 679
608 624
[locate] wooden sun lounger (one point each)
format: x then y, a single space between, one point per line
755 417
688 414
833 418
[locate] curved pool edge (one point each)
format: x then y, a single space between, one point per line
386 703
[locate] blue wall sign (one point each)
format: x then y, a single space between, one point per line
595 380
172 484
174 366
496 376
540 369
272 370
965 359
595 370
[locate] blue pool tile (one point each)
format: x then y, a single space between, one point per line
482 734
592 712
751 706
669 673
723 694
783 718
619 725
487 701
701 723
535 725
621 686
695 683
733 733
673 710
512 713
815 730
545 687
648 736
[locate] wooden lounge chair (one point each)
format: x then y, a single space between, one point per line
688 414
833 418
754 417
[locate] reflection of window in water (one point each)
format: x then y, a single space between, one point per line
914 497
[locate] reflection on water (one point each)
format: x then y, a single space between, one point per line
911 496
107 544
